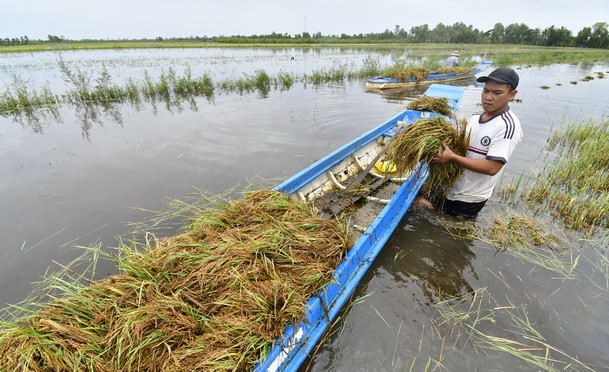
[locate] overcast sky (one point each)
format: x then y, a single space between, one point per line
135 19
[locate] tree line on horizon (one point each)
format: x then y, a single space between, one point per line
595 36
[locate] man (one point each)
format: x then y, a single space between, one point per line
494 135
453 60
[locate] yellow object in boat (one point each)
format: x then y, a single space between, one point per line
386 166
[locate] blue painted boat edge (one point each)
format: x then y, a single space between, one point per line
452 93
313 171
310 173
433 76
298 340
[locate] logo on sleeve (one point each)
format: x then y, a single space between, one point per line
485 141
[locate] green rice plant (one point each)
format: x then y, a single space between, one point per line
526 238
575 187
510 193
371 66
79 81
187 86
149 89
601 261
491 326
22 98
317 77
284 81
336 74
132 91
262 82
163 87
505 59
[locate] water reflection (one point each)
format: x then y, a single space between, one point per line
442 266
36 120
409 93
89 114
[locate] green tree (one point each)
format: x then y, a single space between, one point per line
520 34
600 36
460 33
420 34
583 37
440 34
556 37
400 33
55 39
497 33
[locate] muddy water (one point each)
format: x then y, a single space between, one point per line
77 177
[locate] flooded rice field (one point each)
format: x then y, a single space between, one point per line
82 176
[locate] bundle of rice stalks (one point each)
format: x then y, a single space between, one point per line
424 139
439 105
407 73
213 298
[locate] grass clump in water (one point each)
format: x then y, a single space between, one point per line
212 298
523 236
576 186
23 98
491 325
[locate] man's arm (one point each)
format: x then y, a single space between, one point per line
484 166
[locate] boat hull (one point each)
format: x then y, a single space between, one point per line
313 182
382 84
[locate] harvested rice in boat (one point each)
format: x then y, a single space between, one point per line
424 139
439 105
417 73
214 298
459 70
407 73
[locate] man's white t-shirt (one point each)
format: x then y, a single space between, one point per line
494 139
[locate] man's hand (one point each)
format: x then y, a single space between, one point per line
446 156
484 166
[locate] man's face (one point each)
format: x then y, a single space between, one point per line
495 96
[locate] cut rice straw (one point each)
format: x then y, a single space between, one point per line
425 139
213 298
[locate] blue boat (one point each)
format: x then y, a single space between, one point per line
386 83
339 170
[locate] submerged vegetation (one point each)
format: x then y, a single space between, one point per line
575 187
499 325
213 298
571 189
88 88
84 89
160 304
